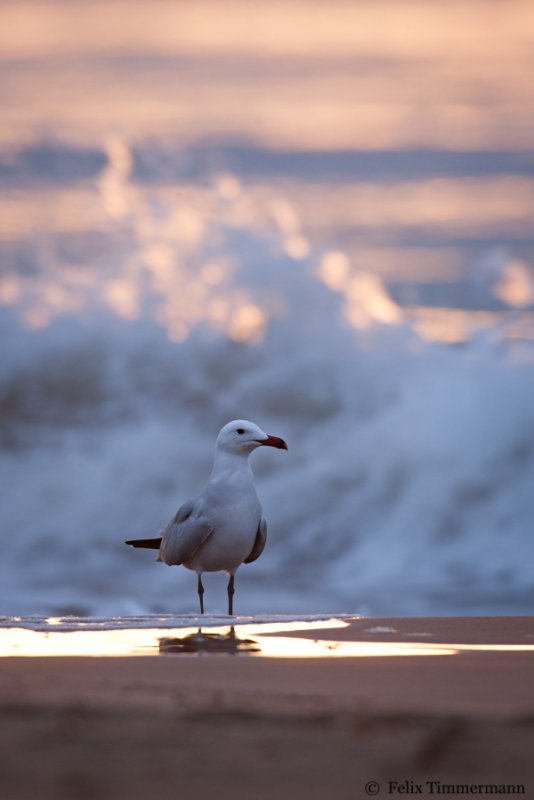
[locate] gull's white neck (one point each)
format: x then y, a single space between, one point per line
226 465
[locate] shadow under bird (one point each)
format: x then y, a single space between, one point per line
223 527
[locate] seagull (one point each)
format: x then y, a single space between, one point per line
223 527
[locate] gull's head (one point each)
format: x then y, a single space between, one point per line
242 437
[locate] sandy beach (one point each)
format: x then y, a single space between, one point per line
247 726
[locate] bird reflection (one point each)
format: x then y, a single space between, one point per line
200 642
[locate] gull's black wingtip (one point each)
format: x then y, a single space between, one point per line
151 544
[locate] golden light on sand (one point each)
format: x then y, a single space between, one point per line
293 647
123 642
270 640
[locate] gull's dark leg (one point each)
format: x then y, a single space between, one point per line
200 590
231 592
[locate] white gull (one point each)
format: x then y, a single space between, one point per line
223 527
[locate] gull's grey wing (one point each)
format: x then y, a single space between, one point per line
259 543
185 533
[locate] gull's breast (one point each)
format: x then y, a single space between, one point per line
235 527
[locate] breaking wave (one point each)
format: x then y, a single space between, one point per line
407 488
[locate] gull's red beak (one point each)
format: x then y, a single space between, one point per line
273 441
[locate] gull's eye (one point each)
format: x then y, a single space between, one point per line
240 431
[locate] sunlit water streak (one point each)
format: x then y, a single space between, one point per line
268 640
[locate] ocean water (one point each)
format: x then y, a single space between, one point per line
407 487
331 236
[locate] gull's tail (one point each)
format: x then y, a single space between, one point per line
151 544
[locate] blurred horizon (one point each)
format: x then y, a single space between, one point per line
315 215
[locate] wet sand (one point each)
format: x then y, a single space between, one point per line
251 727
